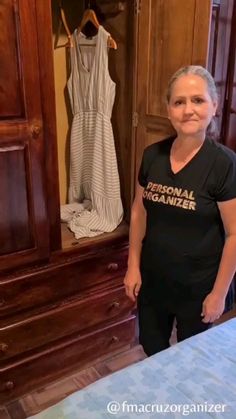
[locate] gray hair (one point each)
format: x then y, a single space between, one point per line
197 70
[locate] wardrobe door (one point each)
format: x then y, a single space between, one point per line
228 132
23 217
170 34
222 29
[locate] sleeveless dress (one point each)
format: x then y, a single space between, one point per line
94 174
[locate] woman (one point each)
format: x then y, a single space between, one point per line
182 254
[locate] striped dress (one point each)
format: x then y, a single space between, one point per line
93 164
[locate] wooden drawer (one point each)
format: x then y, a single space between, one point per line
49 326
32 372
51 284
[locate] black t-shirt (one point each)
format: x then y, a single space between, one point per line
184 233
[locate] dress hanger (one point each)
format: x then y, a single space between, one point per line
90 16
64 22
63 18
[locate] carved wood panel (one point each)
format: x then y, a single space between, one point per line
171 34
14 210
11 104
23 225
170 46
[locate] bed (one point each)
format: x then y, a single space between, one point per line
194 378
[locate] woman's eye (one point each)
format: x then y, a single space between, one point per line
198 100
178 102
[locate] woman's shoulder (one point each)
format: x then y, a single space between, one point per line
221 149
159 145
223 153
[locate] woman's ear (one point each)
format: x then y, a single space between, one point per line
168 111
215 106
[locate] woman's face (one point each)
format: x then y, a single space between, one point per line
191 107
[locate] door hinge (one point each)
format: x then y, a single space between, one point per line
137 6
135 119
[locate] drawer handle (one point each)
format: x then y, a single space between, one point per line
114 339
112 267
115 304
3 347
35 130
9 385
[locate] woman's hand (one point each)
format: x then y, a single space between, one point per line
132 283
212 307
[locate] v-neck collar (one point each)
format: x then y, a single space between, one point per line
80 55
189 163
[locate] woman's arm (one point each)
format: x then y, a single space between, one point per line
214 303
132 279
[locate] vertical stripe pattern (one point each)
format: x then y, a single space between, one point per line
93 164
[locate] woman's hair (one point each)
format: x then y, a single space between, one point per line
197 70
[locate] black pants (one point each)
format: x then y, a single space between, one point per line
158 307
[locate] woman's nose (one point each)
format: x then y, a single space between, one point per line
188 108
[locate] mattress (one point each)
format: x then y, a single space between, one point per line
195 378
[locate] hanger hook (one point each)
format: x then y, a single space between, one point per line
89 5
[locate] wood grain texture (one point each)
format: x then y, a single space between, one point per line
55 323
11 100
47 87
201 35
171 34
16 232
24 226
46 286
61 308
54 362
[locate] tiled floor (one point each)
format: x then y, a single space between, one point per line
51 394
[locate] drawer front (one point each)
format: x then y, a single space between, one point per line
63 321
52 284
40 369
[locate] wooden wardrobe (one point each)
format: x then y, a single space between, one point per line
63 305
